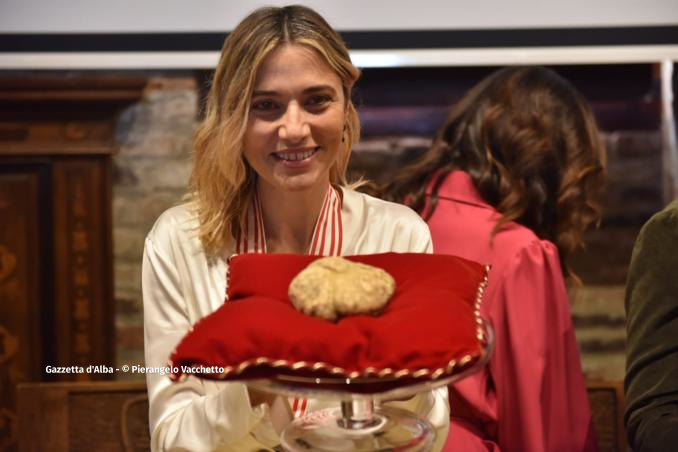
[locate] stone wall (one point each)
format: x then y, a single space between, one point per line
151 172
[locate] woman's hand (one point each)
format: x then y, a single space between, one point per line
279 407
258 397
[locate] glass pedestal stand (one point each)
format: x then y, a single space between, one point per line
361 421
368 428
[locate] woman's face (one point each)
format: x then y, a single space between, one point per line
296 120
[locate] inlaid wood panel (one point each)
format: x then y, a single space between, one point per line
82 276
21 282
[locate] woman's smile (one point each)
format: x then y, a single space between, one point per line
296 157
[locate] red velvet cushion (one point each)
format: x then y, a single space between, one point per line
428 330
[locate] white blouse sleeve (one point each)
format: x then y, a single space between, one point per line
434 405
420 241
395 227
194 414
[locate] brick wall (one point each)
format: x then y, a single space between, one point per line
151 171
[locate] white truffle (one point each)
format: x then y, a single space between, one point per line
331 287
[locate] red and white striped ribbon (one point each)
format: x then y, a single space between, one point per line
254 238
327 240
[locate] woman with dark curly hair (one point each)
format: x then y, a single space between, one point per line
510 181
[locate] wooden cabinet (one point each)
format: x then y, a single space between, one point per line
56 282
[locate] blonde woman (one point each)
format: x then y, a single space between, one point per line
269 176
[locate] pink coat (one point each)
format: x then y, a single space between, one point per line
532 396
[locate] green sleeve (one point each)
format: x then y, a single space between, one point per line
651 382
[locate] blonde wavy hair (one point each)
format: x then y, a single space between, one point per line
222 182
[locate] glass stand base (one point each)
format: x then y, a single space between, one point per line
388 429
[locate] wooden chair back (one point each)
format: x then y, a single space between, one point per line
607 409
101 416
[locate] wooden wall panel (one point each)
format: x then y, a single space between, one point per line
56 278
20 290
82 275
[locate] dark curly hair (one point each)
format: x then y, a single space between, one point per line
530 143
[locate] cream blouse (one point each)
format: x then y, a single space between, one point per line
180 286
